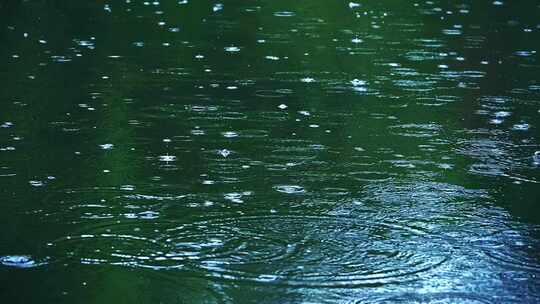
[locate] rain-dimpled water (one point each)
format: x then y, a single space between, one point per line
263 151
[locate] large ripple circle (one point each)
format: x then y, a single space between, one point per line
310 251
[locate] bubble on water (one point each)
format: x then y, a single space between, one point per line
354 5
272 57
283 106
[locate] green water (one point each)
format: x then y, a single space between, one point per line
269 151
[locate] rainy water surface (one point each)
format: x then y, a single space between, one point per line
265 151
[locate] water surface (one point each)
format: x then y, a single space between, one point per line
269 152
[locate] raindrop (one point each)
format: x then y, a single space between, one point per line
232 49
224 152
357 82
106 146
307 80
217 7
167 158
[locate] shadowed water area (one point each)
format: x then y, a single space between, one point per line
269 151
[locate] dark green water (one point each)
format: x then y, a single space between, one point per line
269 151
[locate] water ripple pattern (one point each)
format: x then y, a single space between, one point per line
270 151
278 249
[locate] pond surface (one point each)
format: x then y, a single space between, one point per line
269 151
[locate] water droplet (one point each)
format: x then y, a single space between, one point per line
106 146
232 49
217 7
357 82
307 80
167 158
224 152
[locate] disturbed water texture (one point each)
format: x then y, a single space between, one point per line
269 151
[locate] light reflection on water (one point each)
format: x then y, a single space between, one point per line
202 151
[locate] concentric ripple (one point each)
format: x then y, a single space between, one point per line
450 297
288 250
509 249
126 244
305 250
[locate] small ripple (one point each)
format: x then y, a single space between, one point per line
284 14
124 244
417 130
371 176
289 189
277 93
